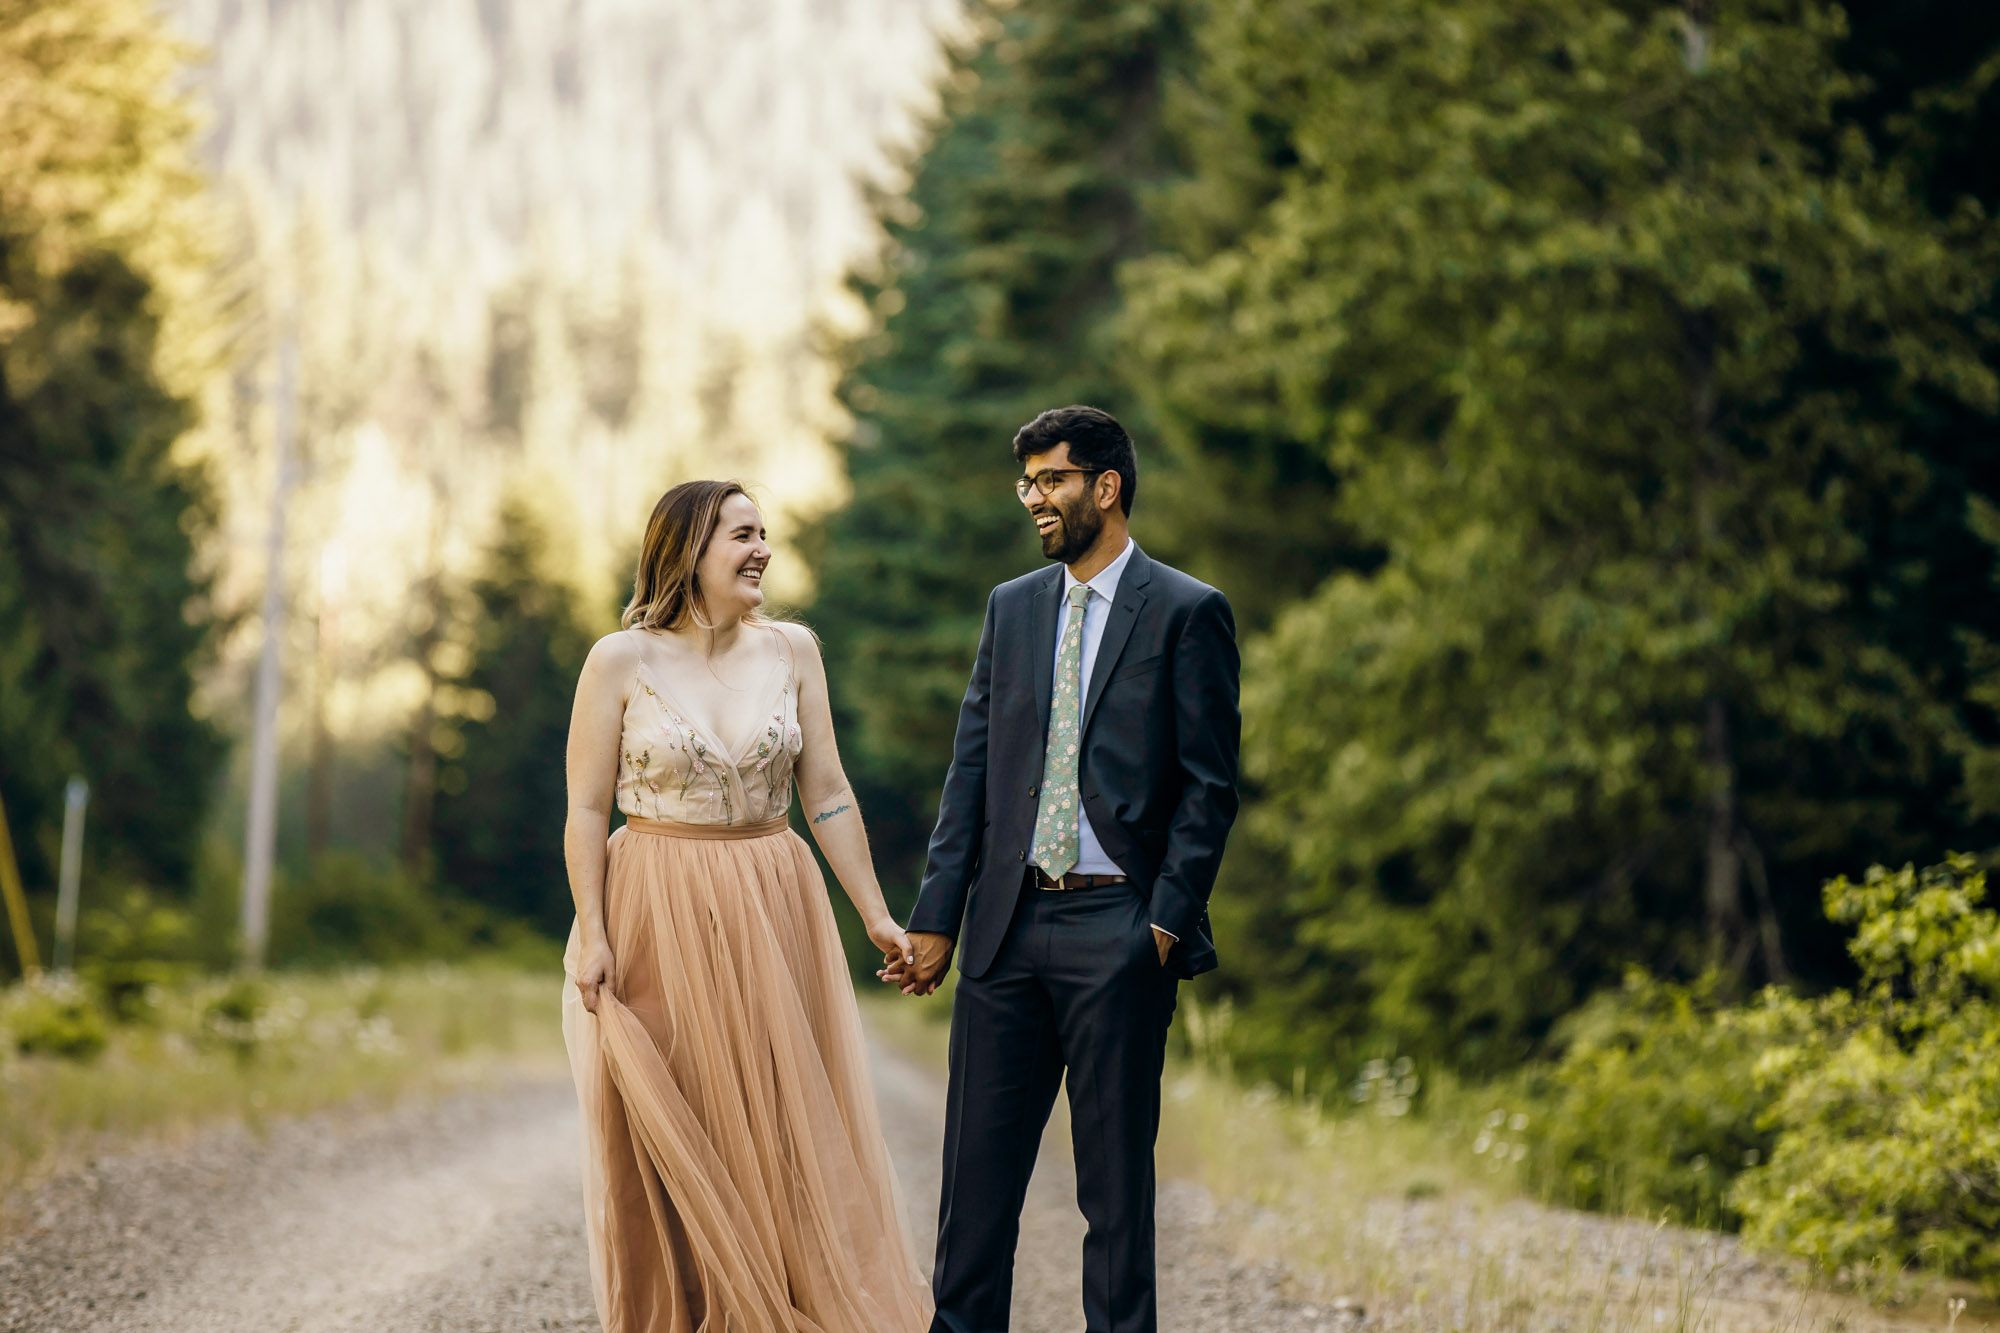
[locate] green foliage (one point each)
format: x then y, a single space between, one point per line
1629 356
1856 1129
1238 495
101 614
131 952
349 910
217 1050
53 1016
1887 1108
230 1017
497 829
1654 1106
994 299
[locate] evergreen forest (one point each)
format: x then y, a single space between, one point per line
1590 411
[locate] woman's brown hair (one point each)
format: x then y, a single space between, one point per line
665 595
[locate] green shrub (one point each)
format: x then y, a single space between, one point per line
231 1016
53 1016
135 951
1653 1106
350 911
1887 1104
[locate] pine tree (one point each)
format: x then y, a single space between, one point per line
1624 347
1227 446
497 832
1930 99
996 299
101 614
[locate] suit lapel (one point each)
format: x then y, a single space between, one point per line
1043 668
1125 609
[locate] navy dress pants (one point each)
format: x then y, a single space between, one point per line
1077 988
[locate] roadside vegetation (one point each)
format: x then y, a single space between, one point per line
84 1070
383 988
1436 1212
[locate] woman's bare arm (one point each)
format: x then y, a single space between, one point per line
831 811
596 724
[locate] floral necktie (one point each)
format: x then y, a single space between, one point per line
1056 820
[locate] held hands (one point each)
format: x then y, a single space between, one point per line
897 952
922 969
596 973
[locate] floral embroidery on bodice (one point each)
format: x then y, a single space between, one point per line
671 768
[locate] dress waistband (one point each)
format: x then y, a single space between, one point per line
668 828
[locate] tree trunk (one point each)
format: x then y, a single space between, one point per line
1769 929
1730 942
420 795
319 763
1729 937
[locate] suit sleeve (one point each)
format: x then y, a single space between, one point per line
956 843
1208 729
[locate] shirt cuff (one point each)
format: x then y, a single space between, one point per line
1168 933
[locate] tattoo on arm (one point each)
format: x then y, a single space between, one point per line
825 815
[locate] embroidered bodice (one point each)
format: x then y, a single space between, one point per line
671 767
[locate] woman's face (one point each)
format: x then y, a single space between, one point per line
730 573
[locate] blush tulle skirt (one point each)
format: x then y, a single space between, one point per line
735 1175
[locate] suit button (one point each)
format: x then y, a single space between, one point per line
1020 856
1033 790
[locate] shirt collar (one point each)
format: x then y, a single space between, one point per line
1105 585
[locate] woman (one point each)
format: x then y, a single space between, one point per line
735 1175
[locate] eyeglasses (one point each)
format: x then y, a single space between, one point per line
1048 479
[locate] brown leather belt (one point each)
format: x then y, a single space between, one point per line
1073 880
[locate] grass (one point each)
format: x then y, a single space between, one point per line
214 1050
1429 1221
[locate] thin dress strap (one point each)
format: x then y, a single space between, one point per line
785 654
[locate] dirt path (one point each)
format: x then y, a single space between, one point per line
465 1216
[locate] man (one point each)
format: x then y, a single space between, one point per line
1092 785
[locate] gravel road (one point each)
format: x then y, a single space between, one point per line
465 1215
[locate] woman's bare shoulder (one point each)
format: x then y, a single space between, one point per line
801 644
617 653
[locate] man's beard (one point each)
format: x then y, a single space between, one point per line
1074 533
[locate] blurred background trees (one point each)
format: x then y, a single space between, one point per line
524 303
104 328
996 295
496 837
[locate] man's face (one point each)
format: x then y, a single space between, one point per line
1068 518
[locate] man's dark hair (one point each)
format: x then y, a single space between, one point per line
1096 441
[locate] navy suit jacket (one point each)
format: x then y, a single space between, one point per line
1161 729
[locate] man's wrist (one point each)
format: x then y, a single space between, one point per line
1168 933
